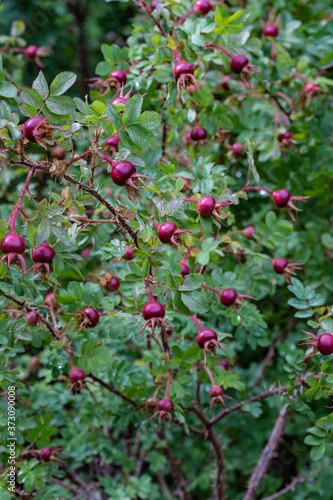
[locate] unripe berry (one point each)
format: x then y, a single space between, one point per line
198 134
12 243
206 206
311 87
237 148
271 31
279 265
166 231
248 232
185 269
121 172
238 63
165 405
31 51
202 7
228 297
129 255
281 198
29 127
50 300
182 68
325 344
32 318
113 284
153 309
113 141
76 375
119 75
43 253
92 316
216 391
45 454
58 152
205 336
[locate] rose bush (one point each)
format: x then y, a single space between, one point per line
164 242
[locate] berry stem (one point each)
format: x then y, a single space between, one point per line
186 255
210 375
20 201
211 288
196 322
151 296
67 349
168 387
185 16
257 188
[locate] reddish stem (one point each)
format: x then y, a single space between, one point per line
185 16
186 255
211 288
257 188
168 387
67 349
196 322
20 200
151 296
210 375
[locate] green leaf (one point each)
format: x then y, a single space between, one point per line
192 282
7 90
132 109
128 143
62 82
317 452
60 105
40 84
113 115
31 96
141 136
195 302
150 120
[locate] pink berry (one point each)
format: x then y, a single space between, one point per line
113 284
238 63
76 374
12 243
119 75
45 454
198 134
165 405
216 391
202 7
92 316
271 31
325 344
113 141
129 253
237 148
121 172
279 265
205 336
166 231
248 232
206 206
281 198
182 68
153 309
31 51
50 300
228 297
30 125
43 253
32 318
185 269
311 87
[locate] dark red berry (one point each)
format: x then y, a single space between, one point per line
202 7
129 254
166 231
45 454
206 205
113 141
31 51
58 152
165 405
279 265
248 232
12 243
224 84
281 198
113 284
205 336
119 75
325 344
311 87
50 300
30 125
182 68
238 63
121 172
285 136
271 31
32 318
225 363
185 269
237 148
198 134
92 316
216 391
43 253
76 374
228 297
153 309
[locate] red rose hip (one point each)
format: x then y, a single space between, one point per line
43 253
182 68
198 134
166 231
119 75
325 344
45 454
12 243
29 127
185 269
165 405
76 375
113 284
121 172
238 63
281 198
202 7
279 265
92 316
271 31
153 309
228 297
205 336
32 318
206 206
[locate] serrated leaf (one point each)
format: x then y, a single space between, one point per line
132 109
7 90
141 136
62 82
40 84
113 115
191 282
60 105
31 97
150 120
195 302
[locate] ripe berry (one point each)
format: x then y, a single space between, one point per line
248 232
237 148
32 318
76 374
113 141
50 300
29 127
228 297
129 255
119 75
185 269
166 231
206 206
311 87
121 172
271 31
12 243
92 316
202 7
285 136
238 63
325 344
113 284
182 68
205 336
153 309
281 198
43 253
279 265
58 152
198 134
216 391
165 405
225 363
45 454
31 51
